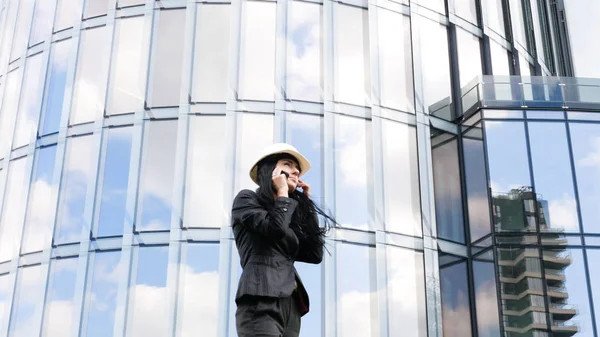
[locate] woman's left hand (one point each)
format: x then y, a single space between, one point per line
305 188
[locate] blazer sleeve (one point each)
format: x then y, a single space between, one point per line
248 212
310 251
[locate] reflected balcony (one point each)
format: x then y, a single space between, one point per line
563 312
564 328
523 92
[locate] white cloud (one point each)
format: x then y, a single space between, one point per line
40 217
592 159
563 213
14 209
351 151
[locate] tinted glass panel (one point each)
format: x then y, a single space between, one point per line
304 133
436 5
303 75
512 198
477 195
593 258
29 294
22 29
67 13
356 304
77 171
401 179
495 15
486 299
448 194
5 296
518 23
157 175
8 113
199 290
104 273
206 172
31 93
58 313
352 150
128 69
351 54
256 134
114 182
581 19
95 8
469 56
90 80
148 293
59 58
211 53
553 176
258 74
14 208
456 311
500 59
42 21
435 66
42 202
167 58
467 10
406 293
395 60
585 140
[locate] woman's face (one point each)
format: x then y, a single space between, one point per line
290 167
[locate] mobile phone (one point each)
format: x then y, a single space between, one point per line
287 175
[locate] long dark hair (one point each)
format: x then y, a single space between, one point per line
304 221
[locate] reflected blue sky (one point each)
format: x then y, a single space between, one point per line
101 293
59 301
28 294
477 195
57 67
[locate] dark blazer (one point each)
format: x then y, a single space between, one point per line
268 246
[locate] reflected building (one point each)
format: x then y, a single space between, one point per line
128 126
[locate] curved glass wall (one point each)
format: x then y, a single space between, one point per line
127 127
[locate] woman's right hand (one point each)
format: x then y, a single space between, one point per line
280 183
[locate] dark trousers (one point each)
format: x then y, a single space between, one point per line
267 317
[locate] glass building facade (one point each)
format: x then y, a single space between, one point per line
457 142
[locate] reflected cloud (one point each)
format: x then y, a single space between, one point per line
563 213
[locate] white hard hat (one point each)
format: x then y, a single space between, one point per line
280 148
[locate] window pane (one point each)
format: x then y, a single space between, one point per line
14 208
570 292
157 175
29 295
401 179
405 284
206 172
148 293
486 299
495 16
500 59
8 113
95 8
516 13
10 12
311 275
436 5
90 81
469 56
42 22
351 54
128 71
104 274
59 59
167 58
304 76
42 202
256 134
67 12
59 301
304 133
22 29
357 299
593 258
395 60
258 70
31 92
353 155
126 3
77 171
211 53
553 177
435 65
585 140
199 290
513 202
477 191
581 19
115 178
456 311
467 10
448 194
5 295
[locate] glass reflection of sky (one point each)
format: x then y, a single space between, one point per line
477 195
5 294
14 209
28 296
486 299
57 67
30 101
8 111
456 313
593 258
104 273
59 301
114 182
39 219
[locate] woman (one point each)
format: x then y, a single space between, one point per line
274 227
